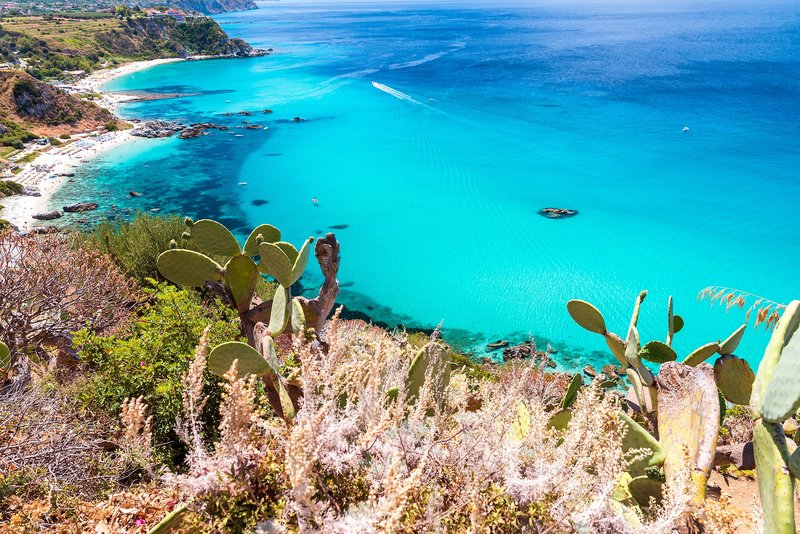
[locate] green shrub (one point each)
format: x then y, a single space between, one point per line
149 358
135 245
55 142
111 126
65 136
9 188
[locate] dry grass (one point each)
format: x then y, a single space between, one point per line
767 311
69 35
356 461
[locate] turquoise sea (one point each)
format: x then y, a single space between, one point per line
482 116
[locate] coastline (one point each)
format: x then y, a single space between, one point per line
54 165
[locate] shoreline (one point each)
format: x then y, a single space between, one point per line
54 165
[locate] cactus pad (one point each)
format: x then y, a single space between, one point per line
275 263
521 424
300 263
572 390
289 250
636 307
677 324
701 354
587 316
617 347
298 318
5 356
775 481
644 488
658 352
784 332
688 420
730 344
211 237
268 233
279 314
636 437
782 395
241 277
734 379
250 361
431 361
560 420
187 267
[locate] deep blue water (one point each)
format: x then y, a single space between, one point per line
488 114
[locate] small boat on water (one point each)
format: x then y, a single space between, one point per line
242 183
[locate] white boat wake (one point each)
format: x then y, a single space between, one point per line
395 93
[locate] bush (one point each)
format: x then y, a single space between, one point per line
9 188
111 126
65 136
150 357
135 245
49 288
55 142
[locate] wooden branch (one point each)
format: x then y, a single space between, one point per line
317 310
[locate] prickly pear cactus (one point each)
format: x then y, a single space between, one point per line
5 356
211 237
636 437
734 379
188 268
782 395
701 354
275 263
560 420
644 488
775 481
572 391
521 424
587 316
730 344
251 362
241 277
431 361
264 233
658 352
688 420
279 315
783 334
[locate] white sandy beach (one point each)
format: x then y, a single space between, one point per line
53 167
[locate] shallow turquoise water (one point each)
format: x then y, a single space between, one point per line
490 114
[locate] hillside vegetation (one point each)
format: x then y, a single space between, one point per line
47 46
40 108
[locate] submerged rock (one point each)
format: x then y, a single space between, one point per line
80 207
499 344
525 351
198 129
557 213
338 227
48 215
157 129
134 193
259 202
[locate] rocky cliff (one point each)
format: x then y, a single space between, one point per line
164 37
